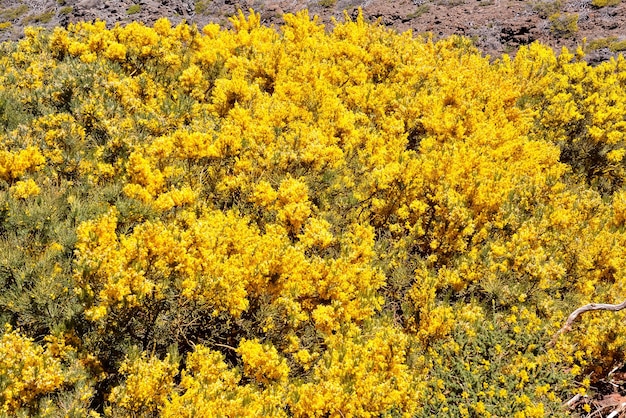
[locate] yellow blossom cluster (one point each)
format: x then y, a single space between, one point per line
305 221
31 374
148 383
209 387
14 165
262 362
27 371
24 189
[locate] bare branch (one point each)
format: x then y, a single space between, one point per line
617 411
586 308
573 401
224 346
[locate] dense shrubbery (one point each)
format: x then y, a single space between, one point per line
297 222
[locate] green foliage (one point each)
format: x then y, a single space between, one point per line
565 25
612 43
618 46
14 12
39 18
486 382
66 10
201 6
605 3
327 3
12 113
547 8
600 43
450 3
135 8
419 11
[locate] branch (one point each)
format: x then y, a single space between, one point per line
586 308
224 346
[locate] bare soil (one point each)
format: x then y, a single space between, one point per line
496 26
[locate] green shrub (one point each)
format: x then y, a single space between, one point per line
421 9
40 18
611 43
600 43
66 10
565 25
327 3
450 3
135 8
14 12
618 46
12 113
202 6
478 353
604 3
547 8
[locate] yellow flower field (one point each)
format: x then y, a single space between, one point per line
305 222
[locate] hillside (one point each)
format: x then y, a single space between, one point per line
496 26
299 221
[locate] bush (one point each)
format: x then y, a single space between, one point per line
302 222
39 18
12 114
600 43
419 11
618 46
605 3
14 13
134 9
327 3
547 8
565 25
202 6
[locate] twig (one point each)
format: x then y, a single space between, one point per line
591 307
617 411
224 346
586 308
573 401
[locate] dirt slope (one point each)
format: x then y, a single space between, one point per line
496 26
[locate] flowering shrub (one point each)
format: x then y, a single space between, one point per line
148 383
302 222
31 376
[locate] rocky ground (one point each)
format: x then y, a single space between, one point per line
496 26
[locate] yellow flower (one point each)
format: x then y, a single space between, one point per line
147 385
24 189
262 362
115 52
27 371
264 194
293 203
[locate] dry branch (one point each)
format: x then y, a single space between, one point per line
586 308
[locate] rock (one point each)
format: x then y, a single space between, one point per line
494 28
517 35
599 55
